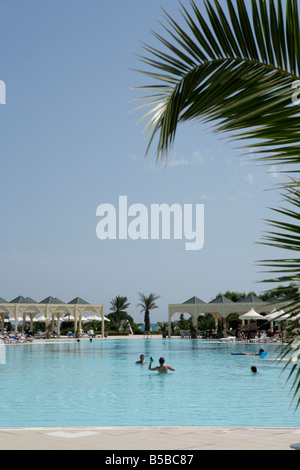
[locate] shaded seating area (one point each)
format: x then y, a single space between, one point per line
19 338
25 311
248 309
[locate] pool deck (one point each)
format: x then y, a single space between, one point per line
157 438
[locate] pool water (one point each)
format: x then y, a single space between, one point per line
99 384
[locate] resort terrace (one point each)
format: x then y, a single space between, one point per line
25 309
221 307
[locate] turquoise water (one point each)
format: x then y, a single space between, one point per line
99 384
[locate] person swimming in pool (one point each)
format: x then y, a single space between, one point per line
141 361
162 368
259 352
252 354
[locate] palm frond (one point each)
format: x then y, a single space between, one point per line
233 68
287 237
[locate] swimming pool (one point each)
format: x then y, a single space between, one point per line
99 384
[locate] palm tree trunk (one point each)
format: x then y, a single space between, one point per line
147 320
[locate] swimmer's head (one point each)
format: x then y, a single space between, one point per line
161 360
142 357
253 369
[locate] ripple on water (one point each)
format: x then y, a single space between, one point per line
99 383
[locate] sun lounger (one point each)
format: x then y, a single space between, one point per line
14 339
10 339
83 334
29 339
276 339
21 338
40 335
185 333
229 338
261 339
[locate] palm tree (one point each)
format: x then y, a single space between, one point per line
119 305
237 68
147 303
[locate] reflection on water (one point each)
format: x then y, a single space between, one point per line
98 383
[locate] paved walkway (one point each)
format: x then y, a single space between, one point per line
148 438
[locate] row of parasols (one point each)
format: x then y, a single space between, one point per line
67 318
274 315
251 315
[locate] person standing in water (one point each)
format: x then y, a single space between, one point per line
162 368
141 361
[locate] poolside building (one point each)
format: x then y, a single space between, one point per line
24 309
221 307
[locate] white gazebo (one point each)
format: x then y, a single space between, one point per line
51 308
221 307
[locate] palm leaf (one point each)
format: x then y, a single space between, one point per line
287 236
230 68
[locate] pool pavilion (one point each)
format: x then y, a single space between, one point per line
50 309
221 307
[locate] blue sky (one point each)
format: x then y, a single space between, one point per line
70 142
